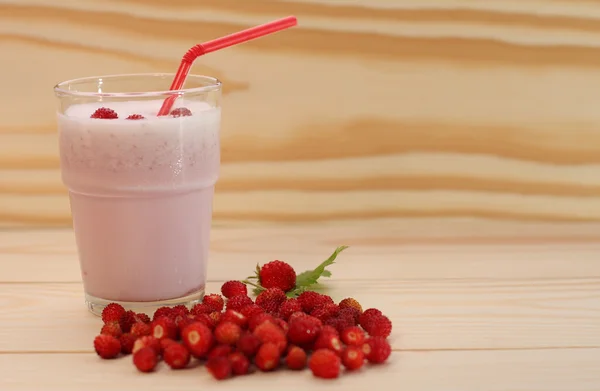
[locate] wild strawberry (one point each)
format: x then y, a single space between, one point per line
353 336
140 317
310 300
376 349
127 320
201 308
325 312
163 311
219 367
367 316
271 299
350 303
326 329
164 328
340 322
296 358
214 301
181 112
288 307
250 310
182 321
238 302
107 346
239 363
140 329
127 340
277 274
234 288
227 333
179 310
136 117
112 312
146 341
259 319
353 358
166 342
145 359
197 338
104 113
112 328
329 341
206 320
269 332
380 326
303 331
325 364
351 313
297 315
176 356
248 344
215 317
267 357
234 317
219 351
283 325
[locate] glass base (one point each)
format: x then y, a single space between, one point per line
96 305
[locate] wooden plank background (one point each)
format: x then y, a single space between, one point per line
370 109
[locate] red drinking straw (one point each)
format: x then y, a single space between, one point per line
220 43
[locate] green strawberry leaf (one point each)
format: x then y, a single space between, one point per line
310 277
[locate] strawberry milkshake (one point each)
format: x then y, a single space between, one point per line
140 186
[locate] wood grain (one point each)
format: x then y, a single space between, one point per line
407 109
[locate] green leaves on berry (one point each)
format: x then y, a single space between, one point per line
304 281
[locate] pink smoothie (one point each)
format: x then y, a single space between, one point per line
141 197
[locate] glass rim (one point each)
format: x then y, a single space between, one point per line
59 88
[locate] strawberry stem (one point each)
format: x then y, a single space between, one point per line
253 284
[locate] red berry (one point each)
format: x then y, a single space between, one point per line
278 274
234 317
353 336
104 113
181 112
219 367
201 308
326 329
270 300
351 313
269 332
325 364
166 342
206 320
147 341
283 325
127 340
140 329
136 116
350 303
107 346
127 320
214 301
353 357
176 356
250 310
234 288
215 318
112 312
182 321
325 312
239 363
238 302
380 326
296 358
162 311
219 351
164 328
311 300
267 357
259 319
303 331
376 349
179 310
297 315
145 359
366 317
248 344
197 338
142 318
329 341
288 307
340 322
227 333
112 328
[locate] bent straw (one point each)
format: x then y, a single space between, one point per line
220 43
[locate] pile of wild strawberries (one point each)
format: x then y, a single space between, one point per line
270 332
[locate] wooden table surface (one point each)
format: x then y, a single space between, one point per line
470 312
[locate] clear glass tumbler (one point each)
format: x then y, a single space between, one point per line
140 186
